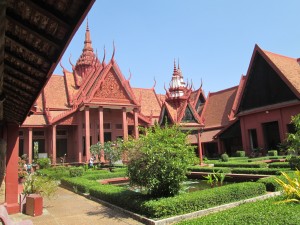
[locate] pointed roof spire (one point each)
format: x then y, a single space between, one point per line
175 69
87 41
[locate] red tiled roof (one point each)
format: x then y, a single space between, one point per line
289 67
149 102
35 120
55 93
207 136
218 107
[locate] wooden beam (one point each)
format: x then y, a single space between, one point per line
26 65
20 92
19 83
2 45
17 73
44 37
42 9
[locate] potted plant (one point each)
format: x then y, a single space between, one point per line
21 170
35 189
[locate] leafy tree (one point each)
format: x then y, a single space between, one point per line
112 150
159 159
294 144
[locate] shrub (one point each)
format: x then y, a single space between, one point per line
272 153
44 163
76 171
240 154
270 183
199 200
224 157
159 160
294 162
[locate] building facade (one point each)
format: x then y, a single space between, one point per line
95 103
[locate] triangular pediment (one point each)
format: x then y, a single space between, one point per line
165 119
264 85
113 88
188 116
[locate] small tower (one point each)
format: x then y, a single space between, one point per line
87 59
178 88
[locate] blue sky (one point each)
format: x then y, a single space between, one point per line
213 40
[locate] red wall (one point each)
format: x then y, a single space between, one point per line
255 120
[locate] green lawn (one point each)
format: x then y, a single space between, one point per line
261 212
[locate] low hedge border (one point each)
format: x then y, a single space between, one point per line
271 184
107 175
79 184
209 169
194 201
242 165
262 171
279 165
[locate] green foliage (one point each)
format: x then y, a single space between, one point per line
208 169
44 163
270 183
158 161
78 183
260 212
272 153
44 186
279 165
240 154
198 200
224 157
55 173
242 165
112 150
76 171
106 175
294 162
215 178
291 188
266 171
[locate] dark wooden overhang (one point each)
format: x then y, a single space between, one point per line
33 36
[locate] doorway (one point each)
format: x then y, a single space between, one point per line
271 135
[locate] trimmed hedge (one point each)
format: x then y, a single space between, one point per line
260 212
76 171
55 173
240 154
279 165
119 196
79 184
189 202
242 165
272 153
106 175
265 171
209 169
271 184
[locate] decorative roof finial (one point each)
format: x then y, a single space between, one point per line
175 70
154 83
113 55
87 41
104 54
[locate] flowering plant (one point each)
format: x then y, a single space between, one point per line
21 168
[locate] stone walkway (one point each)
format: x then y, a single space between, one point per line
69 208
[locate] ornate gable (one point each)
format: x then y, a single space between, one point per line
188 116
112 89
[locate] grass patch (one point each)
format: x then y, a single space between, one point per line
260 212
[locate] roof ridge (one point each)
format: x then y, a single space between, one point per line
265 51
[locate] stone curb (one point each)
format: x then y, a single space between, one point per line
178 218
